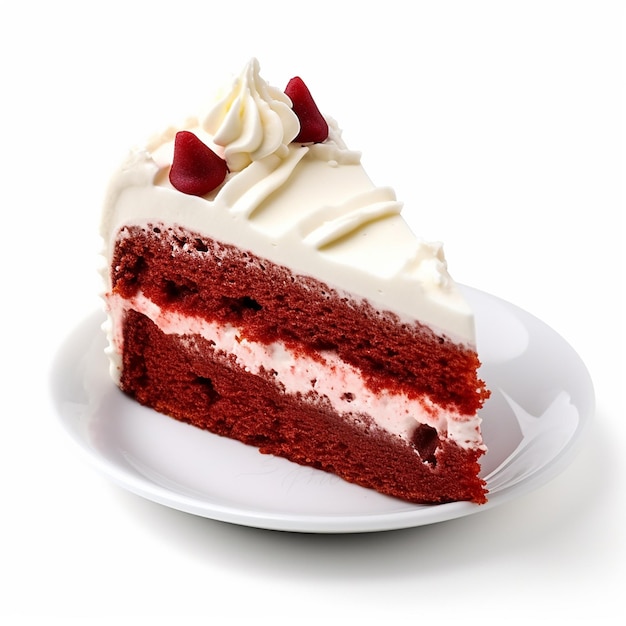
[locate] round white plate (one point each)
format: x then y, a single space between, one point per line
541 398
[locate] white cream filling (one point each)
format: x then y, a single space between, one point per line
328 376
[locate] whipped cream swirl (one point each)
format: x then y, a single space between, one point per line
254 120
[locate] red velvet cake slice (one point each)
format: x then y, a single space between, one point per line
259 286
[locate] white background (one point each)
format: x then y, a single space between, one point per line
500 126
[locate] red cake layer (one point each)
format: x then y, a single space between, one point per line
194 275
194 384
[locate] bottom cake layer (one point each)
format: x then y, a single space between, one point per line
182 376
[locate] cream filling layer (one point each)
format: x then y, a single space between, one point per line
327 376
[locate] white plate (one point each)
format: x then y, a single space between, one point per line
542 397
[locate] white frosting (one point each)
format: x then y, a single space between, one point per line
328 377
310 207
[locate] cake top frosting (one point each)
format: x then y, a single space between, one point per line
268 172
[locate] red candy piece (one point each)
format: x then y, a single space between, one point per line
313 126
196 169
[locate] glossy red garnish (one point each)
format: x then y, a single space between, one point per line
196 169
313 126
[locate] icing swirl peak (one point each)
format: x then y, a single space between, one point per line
253 121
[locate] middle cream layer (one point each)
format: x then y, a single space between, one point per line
327 376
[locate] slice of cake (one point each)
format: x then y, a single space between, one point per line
259 286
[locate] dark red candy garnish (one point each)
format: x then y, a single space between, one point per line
313 126
196 169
